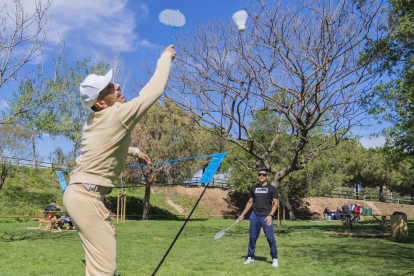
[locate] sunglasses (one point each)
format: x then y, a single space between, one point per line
262 174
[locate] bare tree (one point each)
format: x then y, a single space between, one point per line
116 61
299 63
21 40
22 37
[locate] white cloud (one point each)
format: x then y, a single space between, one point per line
146 44
101 23
86 23
144 10
373 142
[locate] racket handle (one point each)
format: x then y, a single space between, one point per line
171 35
232 225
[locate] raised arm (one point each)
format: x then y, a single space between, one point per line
130 112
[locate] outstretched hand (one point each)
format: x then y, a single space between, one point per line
144 157
240 218
170 49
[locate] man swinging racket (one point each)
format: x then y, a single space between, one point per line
264 199
104 148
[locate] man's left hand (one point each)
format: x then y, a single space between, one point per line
144 157
268 220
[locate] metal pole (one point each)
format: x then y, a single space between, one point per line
117 210
278 214
124 206
179 232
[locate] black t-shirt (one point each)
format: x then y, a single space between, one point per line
263 199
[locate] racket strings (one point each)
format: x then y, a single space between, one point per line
172 18
220 234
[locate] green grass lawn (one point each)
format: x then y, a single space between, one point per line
303 249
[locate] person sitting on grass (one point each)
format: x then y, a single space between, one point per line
327 213
338 214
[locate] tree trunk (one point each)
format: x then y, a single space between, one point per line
380 193
356 190
145 212
3 174
286 203
75 147
34 150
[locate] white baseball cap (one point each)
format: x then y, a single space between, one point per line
92 85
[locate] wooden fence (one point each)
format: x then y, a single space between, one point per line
387 198
29 163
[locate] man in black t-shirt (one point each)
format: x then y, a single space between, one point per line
263 197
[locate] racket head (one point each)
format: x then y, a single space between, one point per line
220 234
172 18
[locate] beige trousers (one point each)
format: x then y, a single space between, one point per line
97 234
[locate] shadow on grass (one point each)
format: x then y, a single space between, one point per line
237 202
135 208
34 234
331 226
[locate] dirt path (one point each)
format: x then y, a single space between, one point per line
175 206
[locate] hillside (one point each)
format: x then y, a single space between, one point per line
27 191
225 203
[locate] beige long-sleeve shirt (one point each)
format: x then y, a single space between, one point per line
107 133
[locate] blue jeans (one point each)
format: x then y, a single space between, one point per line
255 223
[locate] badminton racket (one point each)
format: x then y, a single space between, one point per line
173 19
222 232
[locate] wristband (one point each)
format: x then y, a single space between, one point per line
136 151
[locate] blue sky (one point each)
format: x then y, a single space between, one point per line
93 27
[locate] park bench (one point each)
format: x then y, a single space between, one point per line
52 221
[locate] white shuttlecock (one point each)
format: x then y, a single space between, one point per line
240 18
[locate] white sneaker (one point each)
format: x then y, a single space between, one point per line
275 263
249 260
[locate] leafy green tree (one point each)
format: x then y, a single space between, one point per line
61 159
405 184
370 168
393 101
69 111
166 132
29 107
14 141
30 90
